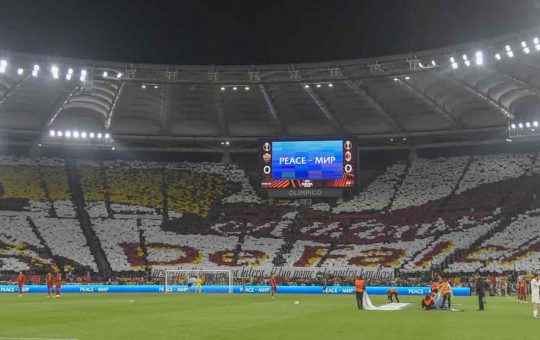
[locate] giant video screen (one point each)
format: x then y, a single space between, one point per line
307 163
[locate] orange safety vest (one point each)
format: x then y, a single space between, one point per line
393 290
445 288
434 286
359 286
428 301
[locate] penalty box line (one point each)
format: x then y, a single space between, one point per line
11 338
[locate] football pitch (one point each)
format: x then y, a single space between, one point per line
206 316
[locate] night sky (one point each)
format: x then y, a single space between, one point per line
252 32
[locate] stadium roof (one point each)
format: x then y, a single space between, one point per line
472 91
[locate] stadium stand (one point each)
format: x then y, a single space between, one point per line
460 213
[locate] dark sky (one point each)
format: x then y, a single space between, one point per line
256 31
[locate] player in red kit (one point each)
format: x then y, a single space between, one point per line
273 285
57 284
522 290
21 278
50 281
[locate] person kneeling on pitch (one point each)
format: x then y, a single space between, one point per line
391 294
428 302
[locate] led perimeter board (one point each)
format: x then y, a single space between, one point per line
322 163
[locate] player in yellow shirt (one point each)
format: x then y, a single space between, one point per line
199 284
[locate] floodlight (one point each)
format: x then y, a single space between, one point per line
407 77
510 54
454 65
479 58
526 50
119 75
99 135
467 62
20 71
68 134
235 88
83 75
396 79
330 85
306 86
421 65
52 133
68 76
143 86
105 74
535 123
83 134
523 44
35 71
528 124
536 41
318 85
246 88
227 142
434 63
92 135
513 126
223 88
520 126
3 65
155 86
465 57
508 140
508 48
107 136
54 71
75 134
452 60
498 56
537 47
59 133
113 148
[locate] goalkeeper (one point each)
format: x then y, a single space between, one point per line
190 282
199 284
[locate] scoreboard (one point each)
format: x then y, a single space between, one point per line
298 164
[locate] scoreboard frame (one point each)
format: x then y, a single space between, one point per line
295 188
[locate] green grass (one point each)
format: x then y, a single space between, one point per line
153 316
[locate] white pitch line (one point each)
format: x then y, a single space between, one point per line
2 338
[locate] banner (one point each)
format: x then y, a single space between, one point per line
335 290
305 192
289 272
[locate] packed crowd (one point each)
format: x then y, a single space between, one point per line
463 214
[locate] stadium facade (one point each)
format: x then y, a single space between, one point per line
460 94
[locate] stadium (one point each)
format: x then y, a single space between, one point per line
247 201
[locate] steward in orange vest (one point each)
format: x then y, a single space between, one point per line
359 287
392 293
428 302
446 293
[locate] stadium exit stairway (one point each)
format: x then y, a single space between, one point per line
84 220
